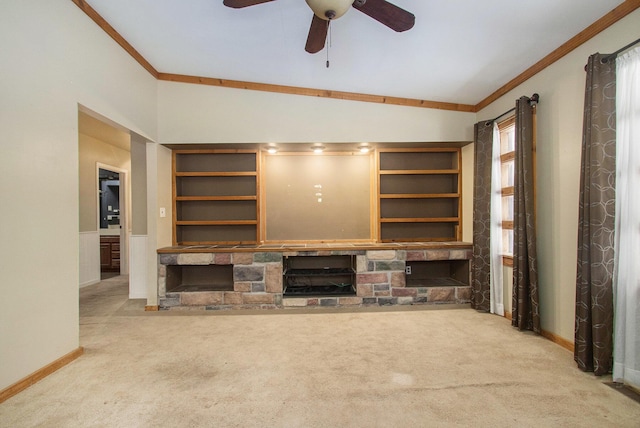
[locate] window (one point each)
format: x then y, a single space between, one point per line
507 160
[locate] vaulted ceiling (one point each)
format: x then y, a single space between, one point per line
459 51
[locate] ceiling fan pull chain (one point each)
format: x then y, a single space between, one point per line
329 43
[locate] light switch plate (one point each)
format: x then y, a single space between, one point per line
163 212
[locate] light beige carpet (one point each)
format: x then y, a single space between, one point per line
398 367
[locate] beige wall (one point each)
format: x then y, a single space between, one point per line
138 185
164 199
190 113
205 114
54 58
561 89
90 152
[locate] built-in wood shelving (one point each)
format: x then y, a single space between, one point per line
419 194
215 194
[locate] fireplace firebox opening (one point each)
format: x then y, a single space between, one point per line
306 276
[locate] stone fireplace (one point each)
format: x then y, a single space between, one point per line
214 278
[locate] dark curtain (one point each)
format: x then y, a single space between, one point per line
480 271
593 349
525 305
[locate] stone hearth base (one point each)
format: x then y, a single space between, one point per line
258 278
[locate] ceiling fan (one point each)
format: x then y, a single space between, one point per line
324 11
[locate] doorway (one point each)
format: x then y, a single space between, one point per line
112 226
109 198
109 222
112 220
102 144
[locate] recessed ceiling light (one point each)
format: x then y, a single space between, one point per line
272 150
318 149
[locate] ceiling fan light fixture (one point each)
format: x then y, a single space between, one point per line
329 9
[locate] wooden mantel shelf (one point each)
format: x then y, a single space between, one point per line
333 246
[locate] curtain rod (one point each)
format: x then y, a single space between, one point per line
606 59
534 99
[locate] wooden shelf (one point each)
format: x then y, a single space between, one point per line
419 195
414 240
214 243
216 174
215 222
421 220
216 198
419 171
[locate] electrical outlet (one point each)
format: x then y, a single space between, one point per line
407 270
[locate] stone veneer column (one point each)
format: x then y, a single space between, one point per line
259 280
381 272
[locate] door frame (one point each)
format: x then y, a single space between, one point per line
124 212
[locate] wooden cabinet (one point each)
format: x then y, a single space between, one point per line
215 194
110 253
419 193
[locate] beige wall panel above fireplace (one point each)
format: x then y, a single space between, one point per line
318 197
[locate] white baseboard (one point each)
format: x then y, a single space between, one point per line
89 259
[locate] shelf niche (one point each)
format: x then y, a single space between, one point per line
191 278
419 194
215 197
437 273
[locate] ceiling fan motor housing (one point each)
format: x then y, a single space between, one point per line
329 9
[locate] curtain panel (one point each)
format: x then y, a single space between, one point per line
496 283
596 223
481 259
525 304
626 279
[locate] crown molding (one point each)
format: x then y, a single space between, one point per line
321 93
